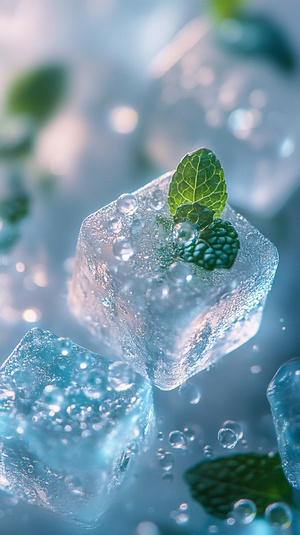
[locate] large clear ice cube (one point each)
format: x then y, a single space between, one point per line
70 421
167 318
284 397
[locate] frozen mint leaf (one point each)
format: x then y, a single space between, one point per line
197 214
214 247
218 483
199 177
37 92
257 36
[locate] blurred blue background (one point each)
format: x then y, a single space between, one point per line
96 99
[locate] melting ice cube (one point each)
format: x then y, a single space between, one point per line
284 397
70 421
169 319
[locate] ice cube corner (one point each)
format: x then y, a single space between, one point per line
283 394
70 423
167 318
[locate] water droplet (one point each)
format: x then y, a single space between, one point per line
208 451
160 435
244 511
189 434
166 461
212 529
136 227
234 426
120 376
255 369
115 225
64 346
127 204
53 397
167 477
227 438
160 452
279 515
147 528
177 440
123 250
190 393
183 232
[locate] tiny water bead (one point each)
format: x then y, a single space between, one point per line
127 204
115 225
166 461
244 511
147 528
183 233
64 346
189 434
227 438
177 440
123 250
208 451
279 515
190 393
160 435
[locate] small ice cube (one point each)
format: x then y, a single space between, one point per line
284 397
168 318
68 430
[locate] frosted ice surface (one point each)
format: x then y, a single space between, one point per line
70 421
167 318
284 397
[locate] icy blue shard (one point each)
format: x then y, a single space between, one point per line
284 397
70 423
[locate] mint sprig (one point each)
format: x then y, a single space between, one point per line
218 483
197 194
199 177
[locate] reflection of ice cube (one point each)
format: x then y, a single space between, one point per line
70 421
167 318
284 397
246 110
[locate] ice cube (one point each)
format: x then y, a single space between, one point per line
169 319
70 423
284 397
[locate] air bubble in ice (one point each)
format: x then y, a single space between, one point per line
74 484
208 451
183 232
244 511
177 440
123 250
189 434
127 204
227 438
279 515
120 376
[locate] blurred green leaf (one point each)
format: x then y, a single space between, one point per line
255 35
225 8
218 483
38 92
15 207
17 149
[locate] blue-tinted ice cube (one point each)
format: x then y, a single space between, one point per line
284 397
70 421
168 318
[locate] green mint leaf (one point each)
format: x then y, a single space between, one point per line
199 177
197 214
38 92
218 483
214 247
258 36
